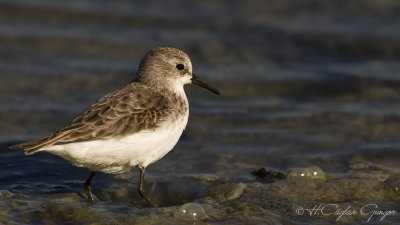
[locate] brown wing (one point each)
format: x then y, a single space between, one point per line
126 111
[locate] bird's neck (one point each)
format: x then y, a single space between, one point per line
178 98
170 89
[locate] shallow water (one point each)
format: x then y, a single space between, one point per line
304 85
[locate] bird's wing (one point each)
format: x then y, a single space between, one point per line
129 110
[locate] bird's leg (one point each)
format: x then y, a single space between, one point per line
142 192
88 187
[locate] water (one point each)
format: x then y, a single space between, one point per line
304 84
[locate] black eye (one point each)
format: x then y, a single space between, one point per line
180 66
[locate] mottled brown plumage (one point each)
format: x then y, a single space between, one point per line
126 111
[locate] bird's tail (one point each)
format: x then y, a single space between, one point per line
33 146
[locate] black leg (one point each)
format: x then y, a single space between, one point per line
88 187
142 192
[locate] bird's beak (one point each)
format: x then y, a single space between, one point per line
201 83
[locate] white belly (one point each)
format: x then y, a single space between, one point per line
118 155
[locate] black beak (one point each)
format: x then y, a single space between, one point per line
201 83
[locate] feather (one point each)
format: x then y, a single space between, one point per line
134 108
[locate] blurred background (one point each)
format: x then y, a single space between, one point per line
308 87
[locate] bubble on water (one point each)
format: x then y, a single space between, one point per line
191 211
397 188
311 172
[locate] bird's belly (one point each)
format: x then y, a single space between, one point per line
120 154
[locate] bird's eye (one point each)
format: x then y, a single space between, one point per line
180 66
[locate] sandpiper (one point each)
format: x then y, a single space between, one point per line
134 126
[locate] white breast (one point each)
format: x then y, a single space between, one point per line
117 155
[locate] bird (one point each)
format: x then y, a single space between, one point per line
134 126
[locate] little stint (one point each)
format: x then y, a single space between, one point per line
134 126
